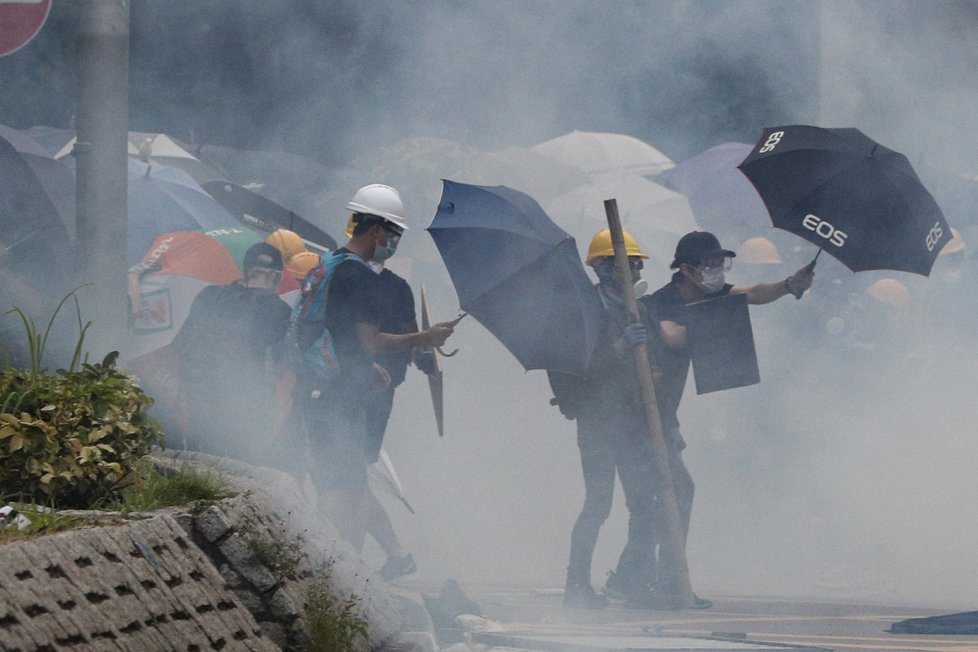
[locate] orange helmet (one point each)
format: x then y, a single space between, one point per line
954 245
759 251
300 264
890 292
287 242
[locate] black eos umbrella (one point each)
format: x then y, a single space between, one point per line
262 213
519 274
848 195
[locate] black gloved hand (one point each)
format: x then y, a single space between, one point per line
425 361
632 336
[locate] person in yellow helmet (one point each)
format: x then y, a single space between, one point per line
611 435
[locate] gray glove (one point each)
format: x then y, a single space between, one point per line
632 336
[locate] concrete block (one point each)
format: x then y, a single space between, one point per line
243 561
212 524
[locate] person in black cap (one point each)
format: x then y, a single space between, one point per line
230 349
701 265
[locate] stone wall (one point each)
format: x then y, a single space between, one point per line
182 580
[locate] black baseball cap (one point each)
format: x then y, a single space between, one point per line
263 255
697 246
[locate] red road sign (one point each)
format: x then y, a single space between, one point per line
20 21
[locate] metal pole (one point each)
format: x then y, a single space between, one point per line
101 152
675 539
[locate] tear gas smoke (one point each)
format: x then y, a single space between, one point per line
847 473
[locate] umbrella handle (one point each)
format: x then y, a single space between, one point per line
809 267
461 314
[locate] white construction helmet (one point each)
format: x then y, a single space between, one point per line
380 200
759 251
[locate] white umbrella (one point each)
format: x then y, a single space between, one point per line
655 215
599 152
383 477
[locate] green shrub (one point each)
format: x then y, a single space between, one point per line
71 437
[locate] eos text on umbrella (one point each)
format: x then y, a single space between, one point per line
771 142
936 232
824 229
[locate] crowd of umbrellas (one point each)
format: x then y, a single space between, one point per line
835 188
509 225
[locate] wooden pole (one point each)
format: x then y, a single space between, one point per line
675 541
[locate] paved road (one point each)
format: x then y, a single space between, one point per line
833 626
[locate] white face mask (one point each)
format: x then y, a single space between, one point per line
640 287
713 280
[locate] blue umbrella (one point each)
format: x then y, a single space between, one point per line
519 274
164 199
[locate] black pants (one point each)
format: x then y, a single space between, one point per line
609 446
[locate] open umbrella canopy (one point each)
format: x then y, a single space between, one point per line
519 274
264 214
177 266
34 238
53 177
163 199
655 215
596 152
849 195
722 199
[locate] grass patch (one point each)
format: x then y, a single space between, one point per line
333 625
41 523
155 489
276 554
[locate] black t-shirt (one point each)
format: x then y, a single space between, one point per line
666 304
228 332
397 309
353 297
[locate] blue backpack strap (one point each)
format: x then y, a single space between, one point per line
308 341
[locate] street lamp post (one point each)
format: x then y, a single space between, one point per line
102 172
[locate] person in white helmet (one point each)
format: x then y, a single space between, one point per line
398 316
337 334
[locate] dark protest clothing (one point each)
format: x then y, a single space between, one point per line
228 332
666 304
334 423
683 489
377 416
227 347
397 309
606 448
353 297
333 413
613 436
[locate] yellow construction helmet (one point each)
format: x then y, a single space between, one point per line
300 264
601 246
759 251
287 242
954 245
890 292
